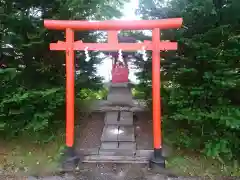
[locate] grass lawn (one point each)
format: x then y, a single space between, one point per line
192 164
36 159
20 156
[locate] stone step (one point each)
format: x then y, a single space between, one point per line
124 152
117 153
118 133
115 159
137 152
123 148
109 145
127 146
118 146
116 118
96 151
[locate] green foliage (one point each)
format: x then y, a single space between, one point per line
32 96
201 81
88 94
24 110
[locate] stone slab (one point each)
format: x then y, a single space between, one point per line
118 148
111 118
107 153
126 133
117 153
126 118
110 133
126 115
109 145
131 146
115 159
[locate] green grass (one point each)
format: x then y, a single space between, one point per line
193 164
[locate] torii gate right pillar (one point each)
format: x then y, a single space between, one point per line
156 100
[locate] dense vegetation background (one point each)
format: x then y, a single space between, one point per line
200 82
33 84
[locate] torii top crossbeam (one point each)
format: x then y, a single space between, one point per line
114 24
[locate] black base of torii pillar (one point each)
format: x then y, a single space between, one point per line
157 160
71 160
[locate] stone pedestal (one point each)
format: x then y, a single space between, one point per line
118 137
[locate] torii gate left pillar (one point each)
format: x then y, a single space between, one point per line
112 45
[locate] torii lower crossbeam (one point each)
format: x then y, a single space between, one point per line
112 45
79 45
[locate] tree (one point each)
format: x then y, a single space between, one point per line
202 79
33 86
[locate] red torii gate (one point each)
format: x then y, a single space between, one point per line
113 26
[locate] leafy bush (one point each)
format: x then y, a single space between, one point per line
35 111
32 96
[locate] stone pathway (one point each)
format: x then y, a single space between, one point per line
118 142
